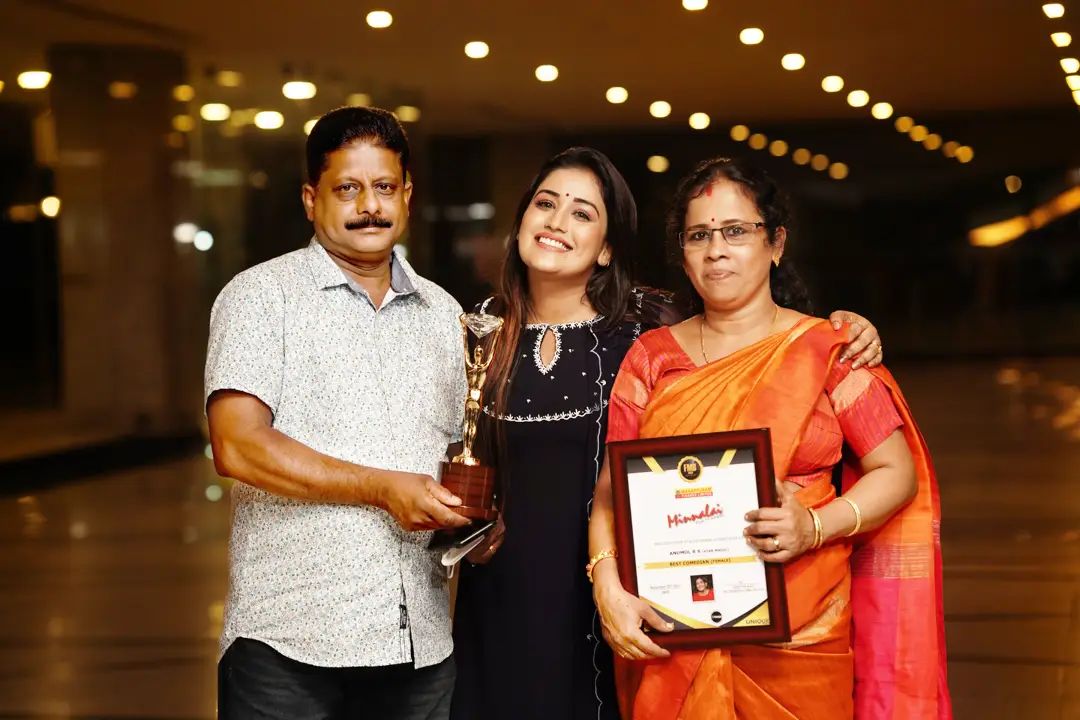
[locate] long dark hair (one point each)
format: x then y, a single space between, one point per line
787 287
609 289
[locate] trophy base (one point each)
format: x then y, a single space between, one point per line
475 485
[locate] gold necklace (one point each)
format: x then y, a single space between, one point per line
701 331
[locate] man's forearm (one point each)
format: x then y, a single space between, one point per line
270 460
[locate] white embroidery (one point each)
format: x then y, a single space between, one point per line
552 417
540 365
565 326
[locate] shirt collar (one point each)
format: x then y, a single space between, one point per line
327 274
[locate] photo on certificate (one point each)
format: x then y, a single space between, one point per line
680 505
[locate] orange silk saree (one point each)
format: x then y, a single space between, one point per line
868 632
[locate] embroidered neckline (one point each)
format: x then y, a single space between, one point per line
564 326
550 417
538 360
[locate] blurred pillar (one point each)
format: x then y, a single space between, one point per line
125 289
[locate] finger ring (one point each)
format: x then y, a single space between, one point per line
775 544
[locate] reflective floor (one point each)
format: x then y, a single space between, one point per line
111 587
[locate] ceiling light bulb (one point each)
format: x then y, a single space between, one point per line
699 121
34 79
298 90
793 61
832 83
882 110
1054 10
616 95
379 19
660 109
1061 39
547 73
858 98
269 120
657 163
751 36
477 49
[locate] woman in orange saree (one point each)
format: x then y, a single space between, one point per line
864 591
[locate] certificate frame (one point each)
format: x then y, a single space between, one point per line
737 443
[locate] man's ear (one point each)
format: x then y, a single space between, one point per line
307 196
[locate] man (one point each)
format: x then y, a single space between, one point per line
334 383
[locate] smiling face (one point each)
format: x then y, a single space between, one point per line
700 584
729 276
562 233
360 206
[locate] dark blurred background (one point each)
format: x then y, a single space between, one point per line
149 152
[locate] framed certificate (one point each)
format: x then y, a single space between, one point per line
680 506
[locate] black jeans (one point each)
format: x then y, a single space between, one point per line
256 681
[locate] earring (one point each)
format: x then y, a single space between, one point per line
776 262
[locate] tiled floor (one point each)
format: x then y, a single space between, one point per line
111 588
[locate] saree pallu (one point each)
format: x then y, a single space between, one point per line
875 605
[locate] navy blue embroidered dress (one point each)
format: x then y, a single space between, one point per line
527 638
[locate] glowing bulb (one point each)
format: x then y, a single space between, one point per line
359 100
183 123
229 78
298 90
50 206
379 19
310 125
882 110
965 154
1013 184
740 133
660 109
838 171
758 141
477 49
183 93
751 36
547 73
932 141
699 121
1070 65
203 241
407 113
269 120
657 163
858 98
949 149
34 79
832 83
1054 10
819 162
1073 81
904 124
1061 39
121 90
616 95
215 112
185 232
918 133
800 156
792 61
778 148
695 5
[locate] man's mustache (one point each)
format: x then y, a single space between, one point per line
366 221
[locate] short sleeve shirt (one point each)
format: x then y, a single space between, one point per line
339 585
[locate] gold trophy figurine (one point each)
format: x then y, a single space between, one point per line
464 475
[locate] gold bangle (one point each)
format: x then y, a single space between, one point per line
819 534
602 555
858 515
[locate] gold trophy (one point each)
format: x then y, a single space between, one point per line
464 475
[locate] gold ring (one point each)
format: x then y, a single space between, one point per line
776 544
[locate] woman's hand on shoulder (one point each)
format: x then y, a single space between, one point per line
864 343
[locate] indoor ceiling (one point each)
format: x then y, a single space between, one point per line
925 57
